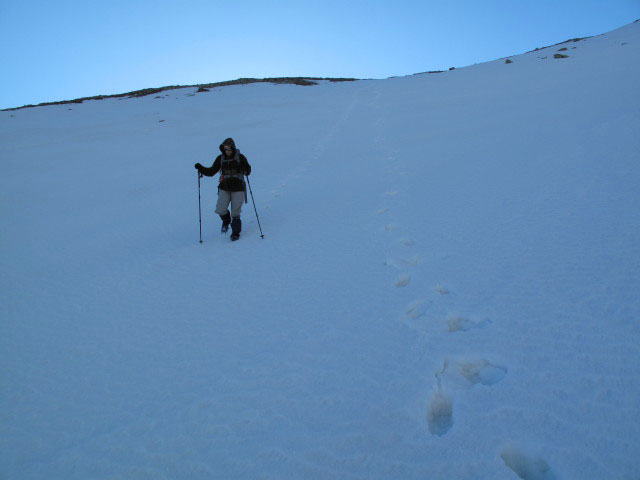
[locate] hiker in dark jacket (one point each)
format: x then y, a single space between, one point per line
233 166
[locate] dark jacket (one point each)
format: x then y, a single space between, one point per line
232 170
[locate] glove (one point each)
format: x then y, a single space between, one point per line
247 173
198 166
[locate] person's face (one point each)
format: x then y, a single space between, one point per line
228 150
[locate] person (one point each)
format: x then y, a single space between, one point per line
232 189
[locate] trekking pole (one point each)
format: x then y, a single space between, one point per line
254 208
199 207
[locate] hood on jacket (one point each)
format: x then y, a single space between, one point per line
228 142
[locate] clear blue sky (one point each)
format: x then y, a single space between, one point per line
60 50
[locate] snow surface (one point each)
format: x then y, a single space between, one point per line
448 287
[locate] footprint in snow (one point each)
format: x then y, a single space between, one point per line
482 371
407 242
390 227
391 193
382 210
403 280
472 371
440 413
461 324
416 309
526 466
440 408
413 261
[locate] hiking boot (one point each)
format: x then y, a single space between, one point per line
236 228
226 221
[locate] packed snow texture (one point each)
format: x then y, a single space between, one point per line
448 286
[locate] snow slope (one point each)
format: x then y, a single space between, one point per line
447 287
